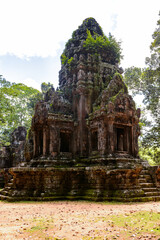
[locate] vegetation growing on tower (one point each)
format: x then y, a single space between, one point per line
103 44
89 38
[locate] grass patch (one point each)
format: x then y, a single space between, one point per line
40 228
148 222
136 224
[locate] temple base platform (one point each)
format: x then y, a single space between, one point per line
104 180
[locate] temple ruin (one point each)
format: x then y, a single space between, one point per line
83 140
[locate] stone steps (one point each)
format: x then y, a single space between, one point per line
150 189
9 184
7 188
4 197
152 194
4 192
144 171
147 185
145 175
144 180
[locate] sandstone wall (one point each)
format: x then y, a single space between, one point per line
96 183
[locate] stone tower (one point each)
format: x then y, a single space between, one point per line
92 113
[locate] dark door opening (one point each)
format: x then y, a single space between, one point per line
94 140
120 139
65 140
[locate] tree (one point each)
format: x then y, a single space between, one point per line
147 82
16 107
45 87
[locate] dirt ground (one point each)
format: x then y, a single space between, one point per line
66 220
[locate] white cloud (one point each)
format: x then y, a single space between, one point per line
36 27
30 82
136 22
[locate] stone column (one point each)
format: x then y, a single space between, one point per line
136 135
132 137
54 142
102 138
129 140
44 141
34 144
51 141
111 144
81 121
82 113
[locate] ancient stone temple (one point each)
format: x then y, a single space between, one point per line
84 141
92 113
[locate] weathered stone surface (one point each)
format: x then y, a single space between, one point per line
11 156
92 108
5 157
94 183
18 138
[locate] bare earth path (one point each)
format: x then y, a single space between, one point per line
68 220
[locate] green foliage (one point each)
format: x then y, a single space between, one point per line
138 223
16 107
132 78
147 82
45 87
118 75
98 44
64 59
70 60
150 154
113 99
96 108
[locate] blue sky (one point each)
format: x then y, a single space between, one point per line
34 32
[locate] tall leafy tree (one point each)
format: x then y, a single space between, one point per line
16 107
147 82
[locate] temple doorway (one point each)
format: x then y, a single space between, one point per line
65 141
94 140
120 139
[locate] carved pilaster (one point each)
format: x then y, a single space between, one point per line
102 137
111 144
51 140
44 141
53 147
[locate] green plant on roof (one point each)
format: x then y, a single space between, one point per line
65 60
98 43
